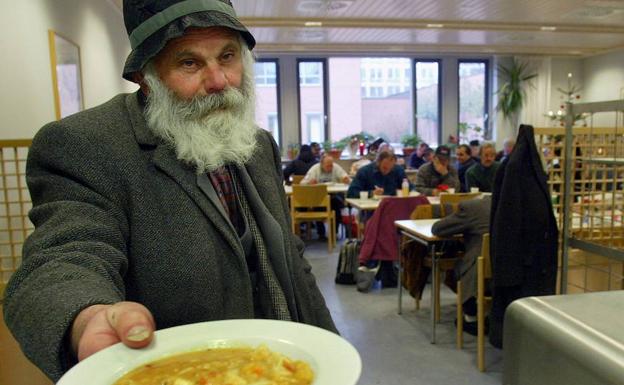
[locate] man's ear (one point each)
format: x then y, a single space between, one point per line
138 78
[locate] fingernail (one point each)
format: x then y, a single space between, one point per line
138 333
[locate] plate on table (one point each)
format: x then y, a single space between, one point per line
332 358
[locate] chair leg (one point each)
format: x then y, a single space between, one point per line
460 317
480 315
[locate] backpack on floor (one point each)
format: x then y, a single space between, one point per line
348 262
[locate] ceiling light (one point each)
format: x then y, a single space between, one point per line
435 25
313 24
548 28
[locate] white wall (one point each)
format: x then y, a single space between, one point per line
26 100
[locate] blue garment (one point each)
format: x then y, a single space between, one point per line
461 173
369 176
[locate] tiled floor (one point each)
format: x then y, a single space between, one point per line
396 349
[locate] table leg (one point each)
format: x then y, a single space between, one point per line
434 282
400 274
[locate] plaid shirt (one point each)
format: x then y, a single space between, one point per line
224 187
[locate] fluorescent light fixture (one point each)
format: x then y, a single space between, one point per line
548 28
435 25
313 24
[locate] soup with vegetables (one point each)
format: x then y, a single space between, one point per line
222 366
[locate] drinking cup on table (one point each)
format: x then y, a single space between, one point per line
363 194
399 193
474 189
450 190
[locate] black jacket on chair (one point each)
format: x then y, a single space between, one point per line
523 231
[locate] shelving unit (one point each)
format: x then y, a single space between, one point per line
592 189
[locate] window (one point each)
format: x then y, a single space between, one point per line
370 95
473 113
266 73
428 101
267 97
310 73
312 114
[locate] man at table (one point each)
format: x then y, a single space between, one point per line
328 172
472 219
437 175
481 175
382 177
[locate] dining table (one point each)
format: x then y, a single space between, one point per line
419 230
332 188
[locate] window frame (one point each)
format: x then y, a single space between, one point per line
487 135
415 61
280 125
325 85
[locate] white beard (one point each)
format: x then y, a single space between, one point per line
208 131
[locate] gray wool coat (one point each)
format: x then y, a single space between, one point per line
472 219
117 217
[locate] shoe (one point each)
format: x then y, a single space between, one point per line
472 327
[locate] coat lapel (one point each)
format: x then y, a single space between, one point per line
165 160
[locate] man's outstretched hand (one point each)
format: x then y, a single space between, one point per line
100 326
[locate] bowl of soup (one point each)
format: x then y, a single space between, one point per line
246 352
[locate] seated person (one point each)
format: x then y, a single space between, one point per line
473 220
328 172
481 175
508 146
464 162
435 176
301 164
416 159
474 149
316 151
382 177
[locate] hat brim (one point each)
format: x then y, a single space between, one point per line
149 48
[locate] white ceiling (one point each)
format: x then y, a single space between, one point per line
535 27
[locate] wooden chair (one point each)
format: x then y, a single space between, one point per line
311 198
296 179
484 272
453 200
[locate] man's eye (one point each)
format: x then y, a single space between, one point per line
228 56
188 63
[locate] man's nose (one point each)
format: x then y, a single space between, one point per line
214 78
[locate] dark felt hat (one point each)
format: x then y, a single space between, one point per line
152 23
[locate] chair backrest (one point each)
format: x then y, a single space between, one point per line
485 253
453 200
296 179
422 212
309 196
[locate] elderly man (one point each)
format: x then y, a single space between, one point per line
326 172
481 175
464 162
382 177
508 145
162 207
416 158
437 175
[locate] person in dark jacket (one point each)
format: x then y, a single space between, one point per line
481 175
417 158
524 234
162 207
382 177
464 162
301 164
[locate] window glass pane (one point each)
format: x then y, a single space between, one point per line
472 104
266 97
370 95
311 102
427 101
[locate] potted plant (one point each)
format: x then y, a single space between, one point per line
293 150
337 148
512 92
410 142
